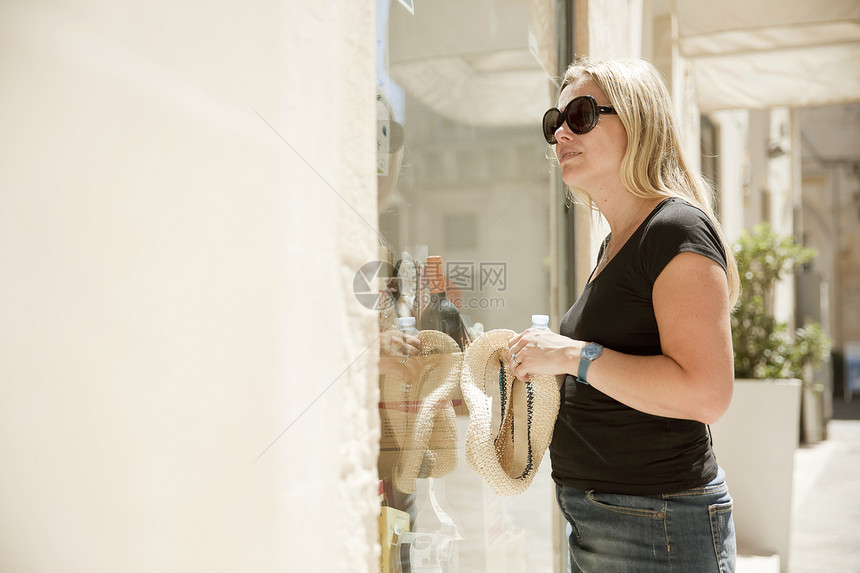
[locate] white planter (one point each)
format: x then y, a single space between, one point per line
755 443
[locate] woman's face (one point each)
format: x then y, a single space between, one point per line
590 161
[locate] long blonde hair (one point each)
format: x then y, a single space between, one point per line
654 164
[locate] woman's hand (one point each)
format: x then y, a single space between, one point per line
397 343
395 349
538 351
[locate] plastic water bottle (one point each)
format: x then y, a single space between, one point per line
407 324
540 321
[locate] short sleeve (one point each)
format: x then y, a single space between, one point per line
678 228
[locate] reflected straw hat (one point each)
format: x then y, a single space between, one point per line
419 411
511 421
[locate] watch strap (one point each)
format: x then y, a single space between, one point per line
584 363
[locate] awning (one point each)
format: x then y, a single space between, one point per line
766 53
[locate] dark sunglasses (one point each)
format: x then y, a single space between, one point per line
580 114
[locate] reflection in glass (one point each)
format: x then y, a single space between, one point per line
470 184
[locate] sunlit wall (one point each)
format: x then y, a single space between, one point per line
182 207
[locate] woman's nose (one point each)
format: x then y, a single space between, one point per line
563 133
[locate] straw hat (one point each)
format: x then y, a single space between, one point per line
419 414
511 421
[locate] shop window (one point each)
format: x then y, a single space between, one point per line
464 195
461 231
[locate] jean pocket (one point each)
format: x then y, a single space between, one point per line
723 532
652 507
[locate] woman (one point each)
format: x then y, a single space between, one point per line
644 356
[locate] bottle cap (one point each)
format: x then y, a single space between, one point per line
540 321
405 321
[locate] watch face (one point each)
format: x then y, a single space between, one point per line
591 351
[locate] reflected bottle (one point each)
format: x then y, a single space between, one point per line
406 324
403 306
440 313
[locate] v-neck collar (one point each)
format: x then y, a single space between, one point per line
592 277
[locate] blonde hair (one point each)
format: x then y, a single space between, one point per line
654 164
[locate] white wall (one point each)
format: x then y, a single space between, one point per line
175 286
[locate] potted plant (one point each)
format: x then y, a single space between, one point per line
764 347
756 439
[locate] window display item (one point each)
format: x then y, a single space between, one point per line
406 324
440 313
406 279
511 421
389 137
424 553
392 524
418 414
431 544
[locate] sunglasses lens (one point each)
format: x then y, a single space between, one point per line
581 115
551 122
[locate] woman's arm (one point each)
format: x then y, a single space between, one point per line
694 376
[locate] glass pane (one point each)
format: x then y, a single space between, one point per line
464 199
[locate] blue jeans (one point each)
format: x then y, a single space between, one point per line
688 531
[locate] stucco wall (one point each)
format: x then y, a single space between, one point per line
186 380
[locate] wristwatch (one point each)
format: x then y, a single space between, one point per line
590 353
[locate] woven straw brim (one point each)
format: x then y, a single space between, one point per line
425 426
505 446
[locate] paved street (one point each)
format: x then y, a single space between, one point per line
826 511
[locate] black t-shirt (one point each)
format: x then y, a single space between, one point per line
598 442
